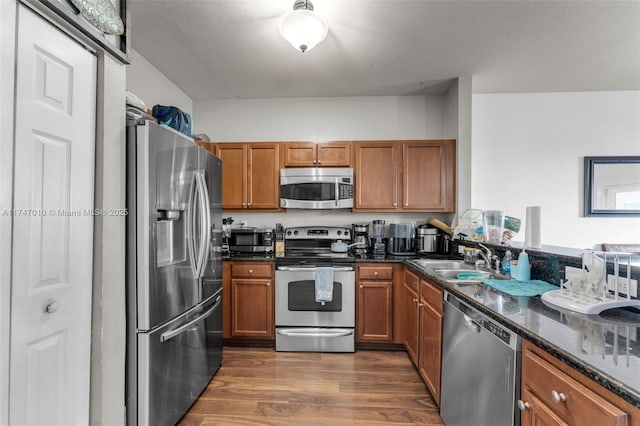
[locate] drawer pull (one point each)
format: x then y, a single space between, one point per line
375 274
251 271
558 397
523 405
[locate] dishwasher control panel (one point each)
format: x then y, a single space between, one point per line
475 317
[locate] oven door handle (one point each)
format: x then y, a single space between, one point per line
315 332
313 268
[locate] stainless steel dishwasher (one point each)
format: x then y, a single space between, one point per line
480 368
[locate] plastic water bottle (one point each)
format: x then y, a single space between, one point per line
506 262
524 268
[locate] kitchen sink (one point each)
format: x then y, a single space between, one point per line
450 269
444 264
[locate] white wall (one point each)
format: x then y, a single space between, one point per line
457 125
528 150
108 328
146 82
321 120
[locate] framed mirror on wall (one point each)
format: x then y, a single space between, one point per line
612 186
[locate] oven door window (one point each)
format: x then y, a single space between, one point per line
302 297
313 191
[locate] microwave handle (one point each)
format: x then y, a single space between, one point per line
337 198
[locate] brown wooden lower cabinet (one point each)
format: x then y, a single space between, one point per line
554 394
374 303
430 338
248 307
410 314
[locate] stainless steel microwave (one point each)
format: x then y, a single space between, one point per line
316 188
252 240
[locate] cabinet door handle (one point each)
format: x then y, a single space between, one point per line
523 405
415 301
249 205
319 162
406 204
558 397
244 204
395 204
361 287
268 284
420 305
315 162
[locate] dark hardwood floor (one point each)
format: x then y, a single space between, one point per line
258 386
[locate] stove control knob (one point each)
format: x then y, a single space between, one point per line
339 232
295 232
288 232
346 232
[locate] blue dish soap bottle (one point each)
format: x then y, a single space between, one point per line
506 263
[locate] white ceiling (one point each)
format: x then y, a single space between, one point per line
223 49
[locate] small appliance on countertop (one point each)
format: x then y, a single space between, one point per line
360 235
401 239
252 240
378 246
431 240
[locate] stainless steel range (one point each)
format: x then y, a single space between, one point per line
315 292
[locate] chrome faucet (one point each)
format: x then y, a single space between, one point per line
492 261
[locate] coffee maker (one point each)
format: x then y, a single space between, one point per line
402 239
360 235
226 233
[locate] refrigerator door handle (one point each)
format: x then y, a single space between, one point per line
190 233
205 224
173 333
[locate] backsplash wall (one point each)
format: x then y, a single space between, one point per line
329 218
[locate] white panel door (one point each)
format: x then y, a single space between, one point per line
53 227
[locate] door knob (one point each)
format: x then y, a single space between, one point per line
50 307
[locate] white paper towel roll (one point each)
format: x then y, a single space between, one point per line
533 227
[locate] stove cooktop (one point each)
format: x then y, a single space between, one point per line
312 244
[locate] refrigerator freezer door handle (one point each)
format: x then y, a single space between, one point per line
173 333
190 233
205 228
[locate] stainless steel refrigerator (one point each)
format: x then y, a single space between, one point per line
174 272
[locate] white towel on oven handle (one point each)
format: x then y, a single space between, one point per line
324 284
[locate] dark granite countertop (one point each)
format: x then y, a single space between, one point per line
605 348
249 257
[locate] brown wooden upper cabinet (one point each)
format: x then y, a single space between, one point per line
309 154
417 175
250 175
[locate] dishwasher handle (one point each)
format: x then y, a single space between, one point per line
471 323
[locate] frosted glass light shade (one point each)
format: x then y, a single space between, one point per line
303 29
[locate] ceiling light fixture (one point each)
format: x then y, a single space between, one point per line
302 28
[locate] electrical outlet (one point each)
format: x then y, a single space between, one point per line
622 285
